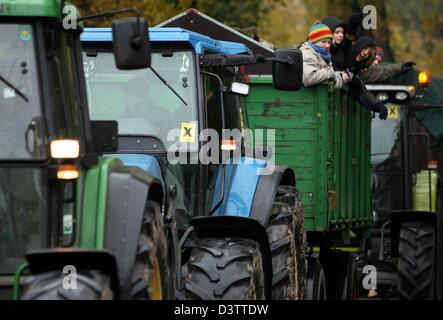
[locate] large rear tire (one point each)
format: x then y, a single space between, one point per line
416 261
287 240
224 269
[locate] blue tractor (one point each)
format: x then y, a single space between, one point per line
235 227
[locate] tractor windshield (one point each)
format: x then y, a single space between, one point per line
140 102
386 160
21 133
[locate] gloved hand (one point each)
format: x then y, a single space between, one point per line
408 65
381 109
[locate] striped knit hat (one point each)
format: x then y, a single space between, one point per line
319 32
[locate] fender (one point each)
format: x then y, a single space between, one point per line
247 192
233 227
266 191
399 216
128 191
40 261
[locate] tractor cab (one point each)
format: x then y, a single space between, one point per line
192 85
41 127
46 144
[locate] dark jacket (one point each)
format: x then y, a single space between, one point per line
340 52
357 85
363 95
381 72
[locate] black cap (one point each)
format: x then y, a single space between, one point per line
333 23
362 43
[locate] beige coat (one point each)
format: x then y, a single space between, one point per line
316 70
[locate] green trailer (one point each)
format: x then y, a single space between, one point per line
325 137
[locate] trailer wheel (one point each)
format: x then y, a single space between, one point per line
90 285
316 281
416 261
224 269
287 240
351 287
150 274
341 275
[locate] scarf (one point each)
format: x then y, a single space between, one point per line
324 53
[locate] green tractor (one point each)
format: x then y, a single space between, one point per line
73 224
406 238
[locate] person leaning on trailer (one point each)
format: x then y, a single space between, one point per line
379 72
318 67
343 36
363 53
317 63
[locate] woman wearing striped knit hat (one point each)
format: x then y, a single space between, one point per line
317 65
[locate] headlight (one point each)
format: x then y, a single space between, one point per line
383 96
401 96
65 149
424 78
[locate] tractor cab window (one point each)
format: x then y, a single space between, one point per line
213 108
21 132
24 215
231 102
140 102
387 173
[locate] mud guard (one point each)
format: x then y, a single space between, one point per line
128 192
266 191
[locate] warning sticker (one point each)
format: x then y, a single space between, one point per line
67 224
25 32
188 132
392 111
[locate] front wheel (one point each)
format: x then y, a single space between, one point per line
89 285
224 269
416 261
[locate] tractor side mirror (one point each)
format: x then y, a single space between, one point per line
131 43
105 136
287 71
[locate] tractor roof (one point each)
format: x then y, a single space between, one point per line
30 8
198 41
